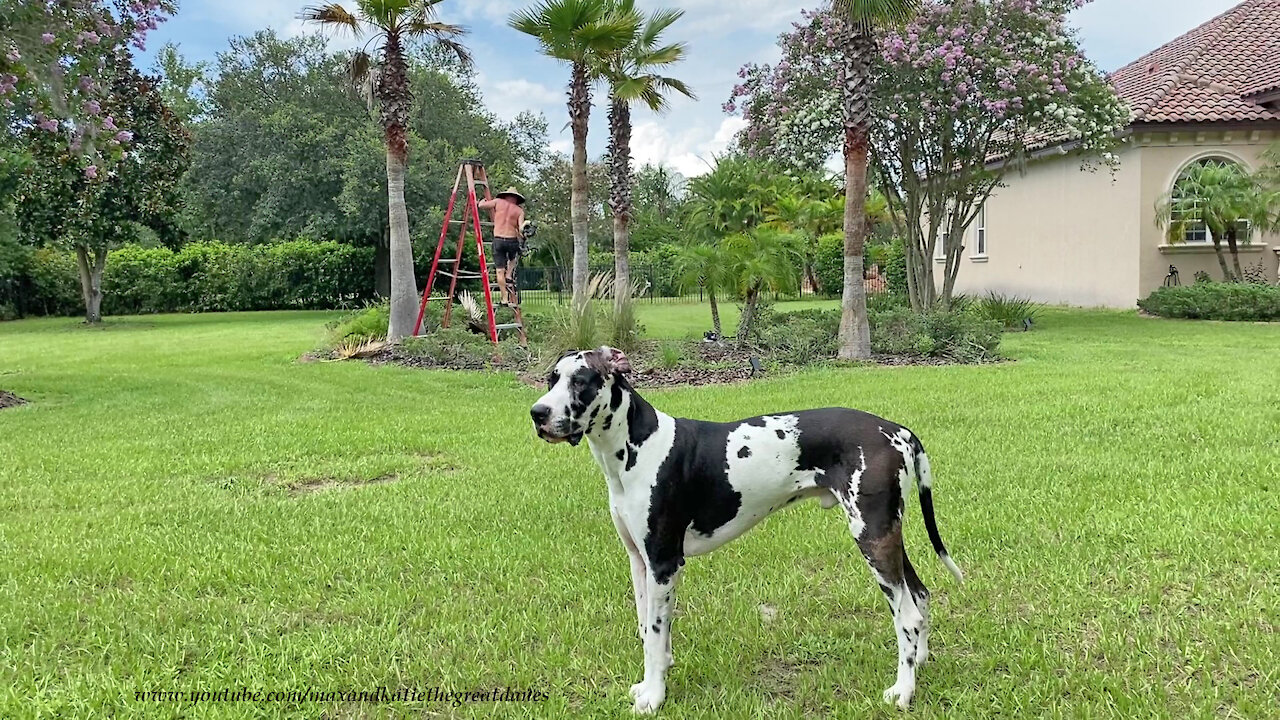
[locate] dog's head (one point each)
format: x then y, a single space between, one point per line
579 389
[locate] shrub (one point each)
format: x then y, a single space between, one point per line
669 356
201 277
798 338
829 264
957 336
1215 301
363 325
452 347
1011 312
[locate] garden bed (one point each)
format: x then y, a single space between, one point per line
8 400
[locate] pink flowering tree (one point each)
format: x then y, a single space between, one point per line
100 153
57 59
963 94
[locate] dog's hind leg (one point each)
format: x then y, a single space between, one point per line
877 527
920 594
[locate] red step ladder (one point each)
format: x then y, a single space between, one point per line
473 173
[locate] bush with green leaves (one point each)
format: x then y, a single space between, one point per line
367 323
1010 311
959 336
1215 301
803 337
460 349
202 277
829 264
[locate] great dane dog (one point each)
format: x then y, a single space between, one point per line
685 487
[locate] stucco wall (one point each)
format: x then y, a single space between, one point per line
1061 235
1164 156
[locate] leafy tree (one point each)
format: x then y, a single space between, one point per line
959 97
760 260
94 210
183 87
392 24
633 76
703 265
861 19
1222 198
583 33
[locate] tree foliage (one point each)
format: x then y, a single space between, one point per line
961 95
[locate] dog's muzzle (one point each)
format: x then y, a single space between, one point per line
553 432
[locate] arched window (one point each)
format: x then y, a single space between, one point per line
1197 232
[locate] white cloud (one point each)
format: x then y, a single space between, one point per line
690 151
564 147
508 98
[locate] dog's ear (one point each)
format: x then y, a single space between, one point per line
614 359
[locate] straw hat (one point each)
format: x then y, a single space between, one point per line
513 194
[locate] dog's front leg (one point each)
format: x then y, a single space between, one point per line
638 571
660 596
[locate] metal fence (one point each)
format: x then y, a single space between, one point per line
553 285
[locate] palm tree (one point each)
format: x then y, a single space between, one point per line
391 24
756 261
632 76
861 18
582 33
1222 199
704 265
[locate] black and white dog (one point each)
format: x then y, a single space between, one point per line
685 487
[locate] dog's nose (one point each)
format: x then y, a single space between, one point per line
540 414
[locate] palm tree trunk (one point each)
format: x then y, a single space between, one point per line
748 315
620 198
1222 259
91 281
395 99
715 313
579 115
855 333
1235 255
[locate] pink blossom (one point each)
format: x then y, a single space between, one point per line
92 107
14 55
109 123
91 172
124 136
47 38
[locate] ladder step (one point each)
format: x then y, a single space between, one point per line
507 326
468 222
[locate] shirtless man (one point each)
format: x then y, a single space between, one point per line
508 218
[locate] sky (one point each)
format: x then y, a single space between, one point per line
722 36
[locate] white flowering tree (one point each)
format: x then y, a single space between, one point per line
963 94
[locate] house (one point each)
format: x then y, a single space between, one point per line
1061 235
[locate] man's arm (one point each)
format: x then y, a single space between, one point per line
488 204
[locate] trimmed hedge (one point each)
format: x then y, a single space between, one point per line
1215 301
202 277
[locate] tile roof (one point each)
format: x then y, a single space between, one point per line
1214 73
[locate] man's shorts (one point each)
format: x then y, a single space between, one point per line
506 251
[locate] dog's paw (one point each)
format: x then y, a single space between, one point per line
647 697
900 696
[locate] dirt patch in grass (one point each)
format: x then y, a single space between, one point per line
777 678
8 400
311 486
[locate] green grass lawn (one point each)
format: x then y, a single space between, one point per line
181 508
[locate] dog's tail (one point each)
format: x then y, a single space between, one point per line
924 483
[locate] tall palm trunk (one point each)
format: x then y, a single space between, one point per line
1222 259
715 313
393 91
579 114
620 198
91 281
855 333
1235 255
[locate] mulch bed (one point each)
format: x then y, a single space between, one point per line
8 400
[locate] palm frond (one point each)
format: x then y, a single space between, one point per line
866 15
659 21
332 15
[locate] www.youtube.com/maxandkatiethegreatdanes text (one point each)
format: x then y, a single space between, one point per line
432 695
